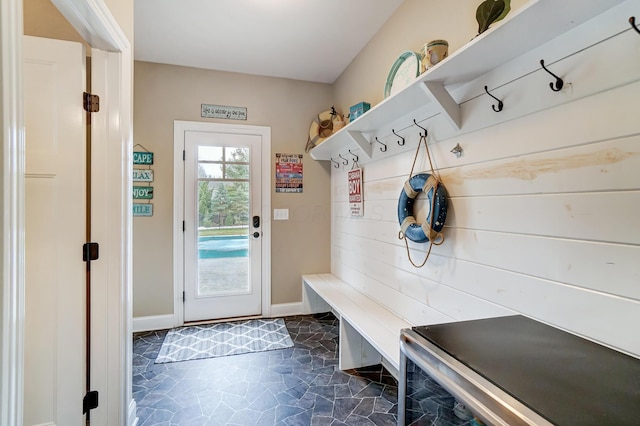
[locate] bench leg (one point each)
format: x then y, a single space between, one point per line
355 351
311 302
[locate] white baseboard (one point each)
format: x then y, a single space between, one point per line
155 322
286 309
163 322
132 418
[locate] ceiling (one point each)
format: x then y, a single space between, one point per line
309 40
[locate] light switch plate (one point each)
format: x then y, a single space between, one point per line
280 214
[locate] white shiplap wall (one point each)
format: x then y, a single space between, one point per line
544 207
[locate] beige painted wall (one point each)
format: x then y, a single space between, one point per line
164 93
42 19
414 23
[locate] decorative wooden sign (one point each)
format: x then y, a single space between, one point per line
223 111
142 209
142 175
143 157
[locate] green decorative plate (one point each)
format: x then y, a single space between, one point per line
404 70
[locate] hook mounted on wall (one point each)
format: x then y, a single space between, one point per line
457 151
344 160
337 165
632 21
425 130
355 157
383 145
401 141
500 103
557 86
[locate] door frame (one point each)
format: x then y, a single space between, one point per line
179 127
112 277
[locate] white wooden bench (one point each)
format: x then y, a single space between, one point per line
369 332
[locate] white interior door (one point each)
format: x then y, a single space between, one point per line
55 209
223 224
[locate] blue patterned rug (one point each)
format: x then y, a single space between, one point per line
222 339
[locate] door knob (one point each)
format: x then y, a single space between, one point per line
256 234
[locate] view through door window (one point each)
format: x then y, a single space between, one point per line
223 220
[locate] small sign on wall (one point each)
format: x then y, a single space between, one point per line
142 209
223 111
143 192
356 197
289 173
142 175
143 157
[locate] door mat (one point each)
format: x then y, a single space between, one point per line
223 339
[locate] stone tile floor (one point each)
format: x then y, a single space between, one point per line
296 386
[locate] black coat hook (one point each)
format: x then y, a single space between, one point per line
425 130
337 164
558 84
500 103
381 148
344 160
632 21
355 157
400 142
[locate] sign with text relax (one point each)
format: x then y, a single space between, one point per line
142 175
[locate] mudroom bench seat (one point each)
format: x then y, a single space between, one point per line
369 332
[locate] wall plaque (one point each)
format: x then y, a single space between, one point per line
223 111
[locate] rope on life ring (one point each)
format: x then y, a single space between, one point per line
436 194
320 129
430 184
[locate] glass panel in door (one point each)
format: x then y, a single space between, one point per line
222 240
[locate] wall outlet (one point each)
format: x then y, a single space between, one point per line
280 214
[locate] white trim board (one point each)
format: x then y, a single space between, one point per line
153 322
112 321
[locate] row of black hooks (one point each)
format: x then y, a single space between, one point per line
401 140
556 86
345 161
559 83
383 147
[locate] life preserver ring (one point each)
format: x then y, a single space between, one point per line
420 233
321 128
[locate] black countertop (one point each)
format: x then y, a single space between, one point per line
566 379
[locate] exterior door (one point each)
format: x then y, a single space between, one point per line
223 224
55 218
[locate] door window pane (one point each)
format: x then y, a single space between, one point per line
223 240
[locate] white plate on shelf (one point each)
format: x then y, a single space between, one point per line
403 72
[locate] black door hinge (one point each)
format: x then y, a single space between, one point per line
184 226
90 401
91 103
184 155
184 297
90 252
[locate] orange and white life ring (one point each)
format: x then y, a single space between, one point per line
321 128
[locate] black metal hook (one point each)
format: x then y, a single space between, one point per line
425 130
385 146
632 21
558 84
500 103
355 157
400 142
344 160
337 166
